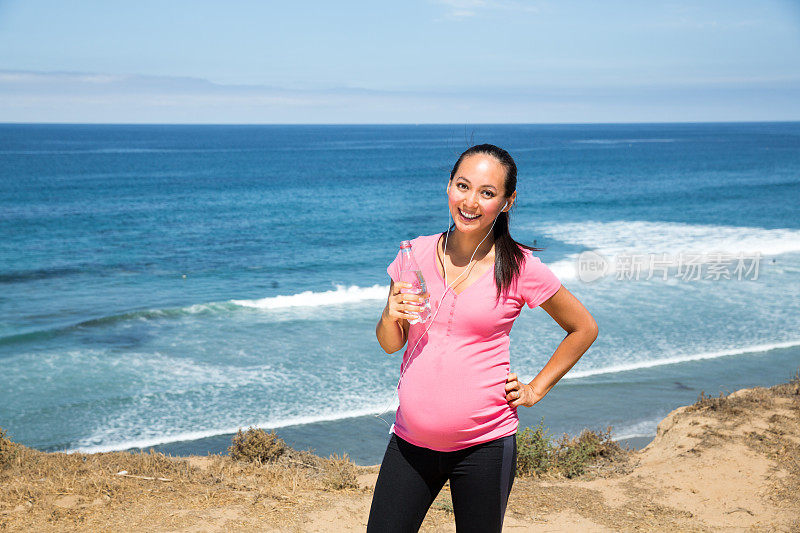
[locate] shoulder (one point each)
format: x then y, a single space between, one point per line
532 265
537 282
531 258
528 257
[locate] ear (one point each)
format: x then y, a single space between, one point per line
510 202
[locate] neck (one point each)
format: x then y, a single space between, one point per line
463 245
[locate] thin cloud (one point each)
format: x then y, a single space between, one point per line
461 9
691 16
28 96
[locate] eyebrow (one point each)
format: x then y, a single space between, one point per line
487 186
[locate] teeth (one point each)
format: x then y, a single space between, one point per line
466 215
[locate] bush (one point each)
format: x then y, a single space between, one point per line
794 383
704 401
256 445
537 454
8 450
573 455
534 451
340 473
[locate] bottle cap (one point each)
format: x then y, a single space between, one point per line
405 244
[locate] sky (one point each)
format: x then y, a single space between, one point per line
416 61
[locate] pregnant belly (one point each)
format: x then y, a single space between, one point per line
445 408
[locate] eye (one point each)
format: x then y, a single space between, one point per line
460 184
489 194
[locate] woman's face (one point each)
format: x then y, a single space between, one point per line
477 188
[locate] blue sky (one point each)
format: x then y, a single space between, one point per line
419 61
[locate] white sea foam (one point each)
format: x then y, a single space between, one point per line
606 238
683 358
105 439
142 424
165 438
205 308
178 373
342 295
642 428
675 239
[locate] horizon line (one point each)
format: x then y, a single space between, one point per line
643 122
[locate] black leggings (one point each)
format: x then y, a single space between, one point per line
410 477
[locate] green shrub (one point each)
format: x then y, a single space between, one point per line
256 445
573 455
534 451
537 454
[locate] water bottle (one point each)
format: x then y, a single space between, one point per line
410 273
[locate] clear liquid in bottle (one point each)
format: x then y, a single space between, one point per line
410 273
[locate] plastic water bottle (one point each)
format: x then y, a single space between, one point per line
410 273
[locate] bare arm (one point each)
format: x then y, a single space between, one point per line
581 330
392 328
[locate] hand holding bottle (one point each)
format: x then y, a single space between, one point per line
405 305
414 283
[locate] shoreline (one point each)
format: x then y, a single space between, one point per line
727 462
218 444
568 408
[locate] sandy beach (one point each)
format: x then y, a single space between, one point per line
727 463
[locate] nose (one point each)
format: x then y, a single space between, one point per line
472 200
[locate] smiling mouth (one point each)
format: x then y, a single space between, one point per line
467 218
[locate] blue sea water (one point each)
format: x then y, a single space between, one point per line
162 286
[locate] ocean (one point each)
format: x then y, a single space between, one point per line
163 286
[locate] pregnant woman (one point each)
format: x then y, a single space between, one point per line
457 417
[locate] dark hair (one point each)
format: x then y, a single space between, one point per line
509 254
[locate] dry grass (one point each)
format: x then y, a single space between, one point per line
263 482
8 450
256 445
340 473
57 491
790 389
732 407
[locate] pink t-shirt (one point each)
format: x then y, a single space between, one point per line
452 394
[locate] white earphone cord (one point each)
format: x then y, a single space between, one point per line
438 306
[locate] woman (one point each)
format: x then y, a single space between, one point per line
457 418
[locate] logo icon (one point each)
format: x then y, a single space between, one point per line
591 266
